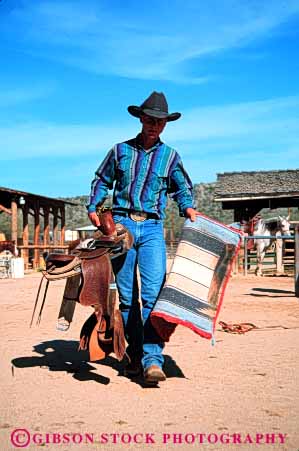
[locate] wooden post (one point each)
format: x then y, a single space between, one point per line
279 263
245 255
62 234
240 259
297 261
55 225
6 210
14 221
25 235
36 235
46 234
172 231
46 239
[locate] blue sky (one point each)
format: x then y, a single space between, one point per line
69 69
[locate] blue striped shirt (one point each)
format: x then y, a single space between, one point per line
143 179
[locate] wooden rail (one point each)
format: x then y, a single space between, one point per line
261 237
43 246
36 262
297 261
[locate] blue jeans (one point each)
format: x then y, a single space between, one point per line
149 253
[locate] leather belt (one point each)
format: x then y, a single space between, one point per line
137 216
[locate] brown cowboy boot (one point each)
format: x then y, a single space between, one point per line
154 374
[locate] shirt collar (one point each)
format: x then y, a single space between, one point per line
138 144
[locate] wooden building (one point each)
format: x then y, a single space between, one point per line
247 193
47 216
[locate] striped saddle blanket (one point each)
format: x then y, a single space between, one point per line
194 289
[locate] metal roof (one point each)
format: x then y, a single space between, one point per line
7 194
257 185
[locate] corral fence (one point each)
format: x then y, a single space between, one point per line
171 247
292 260
278 253
279 259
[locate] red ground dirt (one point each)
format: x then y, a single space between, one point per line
245 384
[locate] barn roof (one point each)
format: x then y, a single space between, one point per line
7 194
257 184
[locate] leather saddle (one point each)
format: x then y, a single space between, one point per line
88 273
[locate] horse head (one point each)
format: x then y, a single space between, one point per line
284 224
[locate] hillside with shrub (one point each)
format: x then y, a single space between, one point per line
76 216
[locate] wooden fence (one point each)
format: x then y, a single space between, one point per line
279 253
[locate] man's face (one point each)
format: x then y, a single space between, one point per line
152 127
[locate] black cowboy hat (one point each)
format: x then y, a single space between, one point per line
155 105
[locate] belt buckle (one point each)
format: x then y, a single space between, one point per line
138 216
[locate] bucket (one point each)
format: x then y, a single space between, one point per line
17 268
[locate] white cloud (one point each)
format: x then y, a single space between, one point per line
152 42
30 140
13 96
263 119
269 126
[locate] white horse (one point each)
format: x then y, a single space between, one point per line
271 228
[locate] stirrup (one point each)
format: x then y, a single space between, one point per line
62 324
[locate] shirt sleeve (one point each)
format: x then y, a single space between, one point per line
181 188
103 181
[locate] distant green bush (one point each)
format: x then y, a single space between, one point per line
76 216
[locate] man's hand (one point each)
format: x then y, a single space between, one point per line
191 214
94 219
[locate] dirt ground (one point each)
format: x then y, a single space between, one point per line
240 390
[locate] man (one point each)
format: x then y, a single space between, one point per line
145 171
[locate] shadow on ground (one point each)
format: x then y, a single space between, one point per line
170 369
270 293
62 355
273 290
